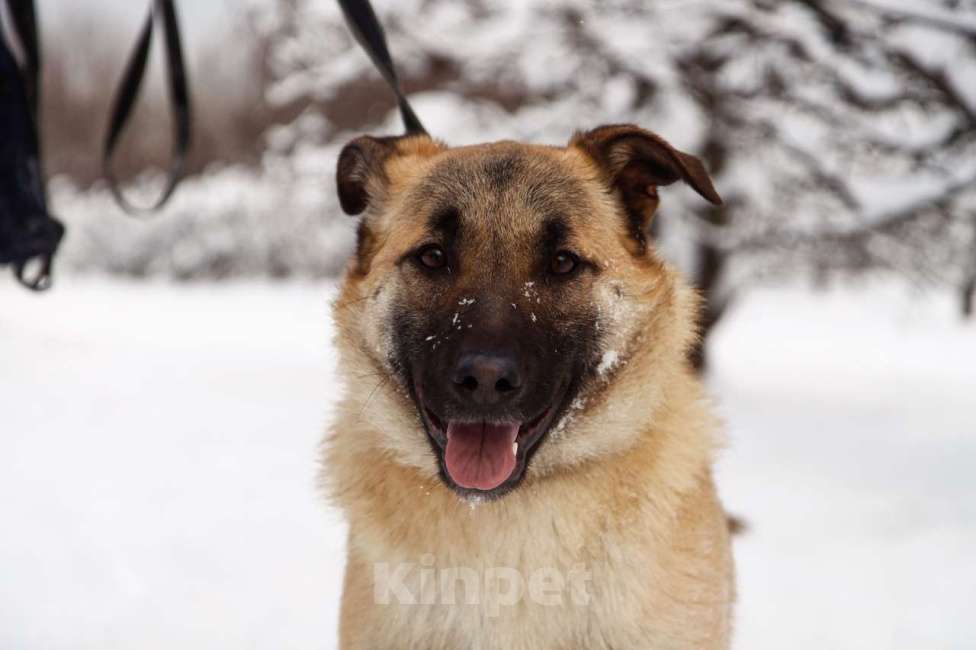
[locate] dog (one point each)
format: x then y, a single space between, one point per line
522 451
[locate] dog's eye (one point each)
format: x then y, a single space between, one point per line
432 257
563 263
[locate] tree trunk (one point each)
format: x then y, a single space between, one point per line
968 290
711 262
968 294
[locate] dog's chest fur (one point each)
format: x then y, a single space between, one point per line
614 565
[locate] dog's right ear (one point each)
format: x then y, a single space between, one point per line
360 172
362 177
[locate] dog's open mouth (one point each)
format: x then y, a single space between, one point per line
484 455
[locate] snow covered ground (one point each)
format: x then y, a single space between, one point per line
158 447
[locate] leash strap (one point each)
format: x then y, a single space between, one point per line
164 13
369 34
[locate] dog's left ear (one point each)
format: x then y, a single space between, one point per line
636 162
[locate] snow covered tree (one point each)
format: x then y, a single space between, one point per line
844 134
841 133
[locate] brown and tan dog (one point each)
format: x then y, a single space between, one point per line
522 452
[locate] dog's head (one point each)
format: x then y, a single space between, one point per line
499 294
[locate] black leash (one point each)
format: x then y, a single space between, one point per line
368 32
29 235
163 12
24 19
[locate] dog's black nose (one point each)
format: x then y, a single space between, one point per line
487 379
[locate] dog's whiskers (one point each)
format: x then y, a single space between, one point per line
369 397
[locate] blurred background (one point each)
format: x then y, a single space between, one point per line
161 406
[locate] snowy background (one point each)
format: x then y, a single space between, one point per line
161 407
157 467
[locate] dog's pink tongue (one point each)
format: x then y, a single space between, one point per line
479 455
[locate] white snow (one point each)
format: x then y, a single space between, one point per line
852 453
157 468
158 460
607 362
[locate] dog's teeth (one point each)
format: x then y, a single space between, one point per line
514 448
